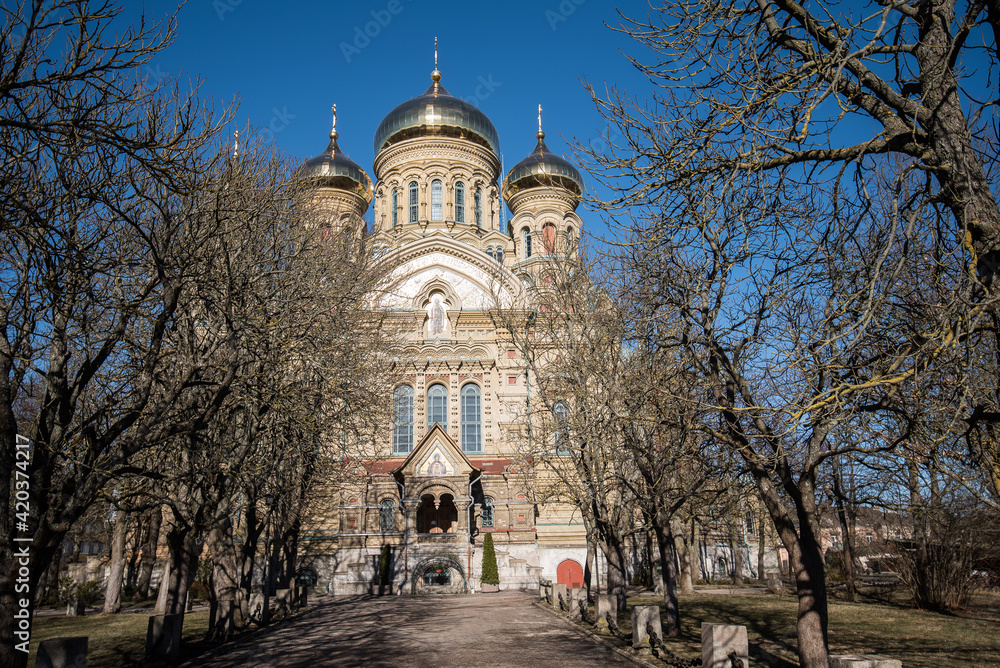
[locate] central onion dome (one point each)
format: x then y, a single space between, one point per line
542 168
436 113
333 169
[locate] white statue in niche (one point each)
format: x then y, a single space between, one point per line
437 317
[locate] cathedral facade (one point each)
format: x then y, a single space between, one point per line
413 517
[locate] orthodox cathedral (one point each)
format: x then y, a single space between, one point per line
448 473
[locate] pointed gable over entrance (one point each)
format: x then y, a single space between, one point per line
436 456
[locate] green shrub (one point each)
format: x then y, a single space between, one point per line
490 574
89 593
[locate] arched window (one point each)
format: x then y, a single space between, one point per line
437 201
561 440
500 254
489 251
395 207
437 406
472 421
569 239
526 236
413 201
459 202
402 420
549 238
479 207
486 519
386 516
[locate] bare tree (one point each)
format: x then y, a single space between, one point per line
790 250
97 163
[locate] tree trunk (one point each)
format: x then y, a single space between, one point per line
225 577
161 595
183 560
113 592
615 561
735 544
593 588
847 554
671 608
684 551
761 546
148 560
810 584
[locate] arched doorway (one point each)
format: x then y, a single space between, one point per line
570 574
439 574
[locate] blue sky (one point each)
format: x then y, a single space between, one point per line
289 62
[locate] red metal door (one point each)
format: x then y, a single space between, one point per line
570 574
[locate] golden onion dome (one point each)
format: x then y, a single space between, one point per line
333 169
542 168
436 113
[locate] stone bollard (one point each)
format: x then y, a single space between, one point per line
719 641
577 603
62 653
163 639
282 602
645 617
863 661
543 591
606 610
259 611
559 596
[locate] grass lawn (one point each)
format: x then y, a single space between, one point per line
115 640
919 639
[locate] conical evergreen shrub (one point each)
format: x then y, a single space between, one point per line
490 574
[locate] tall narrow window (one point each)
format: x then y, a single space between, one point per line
472 422
500 254
402 420
526 236
489 251
395 207
437 201
569 239
479 207
386 516
437 406
561 440
549 238
459 202
486 519
413 201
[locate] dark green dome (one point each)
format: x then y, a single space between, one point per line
436 113
542 168
333 169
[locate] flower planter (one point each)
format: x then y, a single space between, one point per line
489 589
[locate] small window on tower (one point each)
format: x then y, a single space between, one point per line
413 201
437 201
459 202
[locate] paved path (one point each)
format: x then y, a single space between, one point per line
494 630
